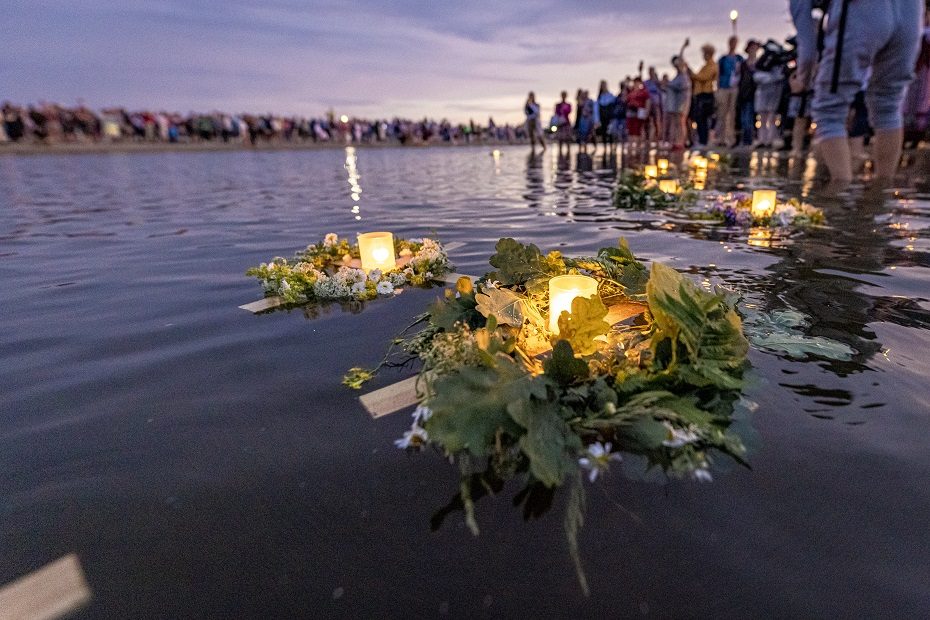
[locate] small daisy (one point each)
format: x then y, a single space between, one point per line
414 439
385 288
598 459
678 437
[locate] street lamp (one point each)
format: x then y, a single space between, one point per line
734 14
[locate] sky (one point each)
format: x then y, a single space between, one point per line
413 58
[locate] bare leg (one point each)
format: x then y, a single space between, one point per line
835 153
886 152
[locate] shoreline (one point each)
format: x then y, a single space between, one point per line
93 148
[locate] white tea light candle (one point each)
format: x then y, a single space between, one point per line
700 162
377 251
763 202
669 186
562 290
650 171
662 165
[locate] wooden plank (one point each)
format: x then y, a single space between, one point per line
392 398
403 394
452 278
53 591
263 304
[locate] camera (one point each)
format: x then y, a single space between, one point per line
775 55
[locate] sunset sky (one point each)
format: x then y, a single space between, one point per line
410 57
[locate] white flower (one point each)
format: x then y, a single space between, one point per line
385 288
678 437
413 439
397 279
330 240
284 286
786 215
598 459
702 474
406 252
421 414
374 275
358 288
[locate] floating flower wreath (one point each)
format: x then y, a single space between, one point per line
735 209
634 191
328 271
648 369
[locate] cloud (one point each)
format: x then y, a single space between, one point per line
411 57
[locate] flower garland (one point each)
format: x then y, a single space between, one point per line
735 209
323 271
505 397
634 191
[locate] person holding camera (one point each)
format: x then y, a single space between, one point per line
860 35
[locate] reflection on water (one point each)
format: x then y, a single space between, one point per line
199 457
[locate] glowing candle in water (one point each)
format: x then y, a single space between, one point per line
763 202
650 171
669 186
562 290
377 251
662 165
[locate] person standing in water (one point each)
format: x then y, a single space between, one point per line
702 84
604 110
861 35
533 126
563 131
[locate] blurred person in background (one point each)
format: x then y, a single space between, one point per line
533 123
728 68
703 83
678 102
604 110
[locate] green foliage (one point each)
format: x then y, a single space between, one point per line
501 407
507 307
619 271
548 443
517 263
470 407
782 332
584 324
700 322
563 367
633 191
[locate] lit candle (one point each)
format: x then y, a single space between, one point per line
377 251
662 165
650 171
763 202
562 290
669 186
715 156
700 162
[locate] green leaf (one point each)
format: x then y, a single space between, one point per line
548 443
517 263
708 329
563 367
470 406
507 307
584 324
781 331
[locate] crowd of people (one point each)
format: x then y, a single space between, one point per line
50 123
731 100
760 96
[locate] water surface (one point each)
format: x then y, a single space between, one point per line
205 462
